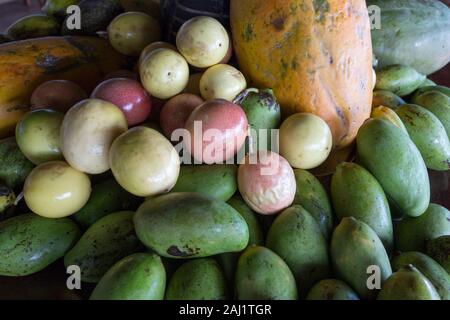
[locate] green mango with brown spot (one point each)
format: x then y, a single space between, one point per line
331 289
190 225
105 242
400 80
428 267
412 233
29 243
311 195
428 134
262 275
198 279
408 283
356 193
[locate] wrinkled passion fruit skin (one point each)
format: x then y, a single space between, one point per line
218 129
266 181
128 95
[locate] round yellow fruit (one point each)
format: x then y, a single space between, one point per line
164 73
203 41
87 132
305 140
55 190
222 81
144 162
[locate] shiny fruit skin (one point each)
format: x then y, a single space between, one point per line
222 81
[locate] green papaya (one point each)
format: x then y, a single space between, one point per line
14 166
355 247
441 89
218 180
198 279
33 26
140 276
58 8
106 197
413 233
96 15
387 99
296 237
331 289
311 195
428 134
438 103
398 79
356 193
190 225
439 249
408 284
393 159
7 202
105 242
411 32
428 267
29 243
262 275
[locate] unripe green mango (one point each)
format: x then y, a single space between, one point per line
140 276
218 180
408 284
33 26
387 99
30 243
438 103
106 197
428 134
428 267
295 236
57 8
262 275
413 233
427 83
107 241
399 79
331 289
439 249
14 166
442 89
356 193
190 225
198 279
7 202
311 195
354 248
393 159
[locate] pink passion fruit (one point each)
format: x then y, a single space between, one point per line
217 129
128 95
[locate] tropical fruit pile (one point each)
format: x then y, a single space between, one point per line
282 158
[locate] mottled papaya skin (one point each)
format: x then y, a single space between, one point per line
30 243
428 267
218 181
190 225
263 275
393 159
356 193
140 276
103 244
354 248
26 64
198 279
398 79
408 283
295 236
439 249
310 53
413 233
33 26
428 134
387 99
311 195
438 103
331 289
